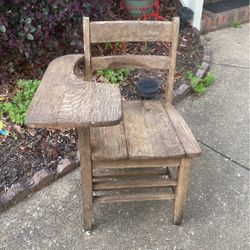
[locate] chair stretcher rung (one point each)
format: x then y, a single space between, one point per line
134 197
133 183
156 163
123 173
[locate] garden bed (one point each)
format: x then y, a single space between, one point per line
27 154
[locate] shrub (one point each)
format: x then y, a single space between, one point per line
17 108
29 26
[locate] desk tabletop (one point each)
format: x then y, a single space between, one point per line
64 100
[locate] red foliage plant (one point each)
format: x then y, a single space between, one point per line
28 26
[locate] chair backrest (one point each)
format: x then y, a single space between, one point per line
131 31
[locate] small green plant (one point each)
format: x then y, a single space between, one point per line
235 24
15 110
115 76
110 45
146 47
199 85
208 80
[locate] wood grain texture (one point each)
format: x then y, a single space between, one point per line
149 132
108 143
87 52
181 189
122 183
186 136
46 102
172 65
134 197
132 31
141 137
140 163
64 100
86 176
130 61
127 31
90 104
124 173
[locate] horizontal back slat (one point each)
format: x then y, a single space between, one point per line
130 31
133 61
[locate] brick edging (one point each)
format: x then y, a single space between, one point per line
215 21
21 190
185 88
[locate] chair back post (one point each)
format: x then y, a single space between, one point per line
172 63
87 52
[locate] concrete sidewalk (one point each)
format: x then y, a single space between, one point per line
217 209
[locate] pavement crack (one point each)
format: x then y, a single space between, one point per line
231 65
224 155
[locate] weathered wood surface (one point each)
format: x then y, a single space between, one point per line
140 163
134 197
65 100
122 183
186 136
87 52
86 176
142 137
149 131
181 189
126 31
124 173
108 143
132 31
130 61
173 54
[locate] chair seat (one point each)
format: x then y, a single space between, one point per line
149 130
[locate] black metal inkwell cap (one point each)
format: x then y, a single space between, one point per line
147 88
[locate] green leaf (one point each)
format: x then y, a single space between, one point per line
208 79
199 88
21 33
2 28
32 29
28 20
30 37
26 28
45 12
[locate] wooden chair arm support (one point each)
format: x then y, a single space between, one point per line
184 133
64 100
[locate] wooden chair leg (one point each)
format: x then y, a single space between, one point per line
86 176
181 189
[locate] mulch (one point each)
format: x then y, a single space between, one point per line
189 57
26 151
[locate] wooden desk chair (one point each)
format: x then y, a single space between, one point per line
123 145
